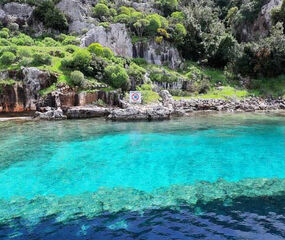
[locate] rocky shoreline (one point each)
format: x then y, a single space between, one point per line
167 108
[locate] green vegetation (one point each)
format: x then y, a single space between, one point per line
208 34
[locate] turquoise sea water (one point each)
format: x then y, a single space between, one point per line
73 157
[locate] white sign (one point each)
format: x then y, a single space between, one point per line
135 97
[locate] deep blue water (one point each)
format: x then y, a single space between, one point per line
74 157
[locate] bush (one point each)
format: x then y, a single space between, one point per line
26 61
50 16
23 40
4 34
117 77
49 42
13 27
7 58
4 42
100 51
24 52
41 59
70 40
77 78
80 60
122 18
169 6
96 48
101 10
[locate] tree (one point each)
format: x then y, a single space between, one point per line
140 26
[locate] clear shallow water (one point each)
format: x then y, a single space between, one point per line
73 157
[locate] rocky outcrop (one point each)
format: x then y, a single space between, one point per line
155 53
50 114
246 105
15 12
114 37
25 92
87 112
78 13
135 113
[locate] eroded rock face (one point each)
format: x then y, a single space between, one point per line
16 12
78 12
24 94
159 54
115 37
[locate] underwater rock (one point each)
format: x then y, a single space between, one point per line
119 199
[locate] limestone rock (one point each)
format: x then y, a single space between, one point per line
160 54
115 37
50 114
16 12
86 112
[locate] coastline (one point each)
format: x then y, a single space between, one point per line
166 109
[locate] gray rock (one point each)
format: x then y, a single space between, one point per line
50 114
86 112
34 80
160 54
115 37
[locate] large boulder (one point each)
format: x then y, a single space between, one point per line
115 37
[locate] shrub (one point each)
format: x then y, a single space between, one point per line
50 16
26 61
49 42
169 6
70 40
177 17
4 42
108 53
80 60
7 58
99 50
4 34
77 78
139 61
117 77
122 18
24 52
96 48
154 23
101 10
41 59
159 40
180 33
23 40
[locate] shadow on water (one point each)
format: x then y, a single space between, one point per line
245 218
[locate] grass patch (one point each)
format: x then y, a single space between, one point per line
269 87
223 93
148 95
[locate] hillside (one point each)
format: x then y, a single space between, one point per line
96 51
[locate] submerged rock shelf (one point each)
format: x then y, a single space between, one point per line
115 200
